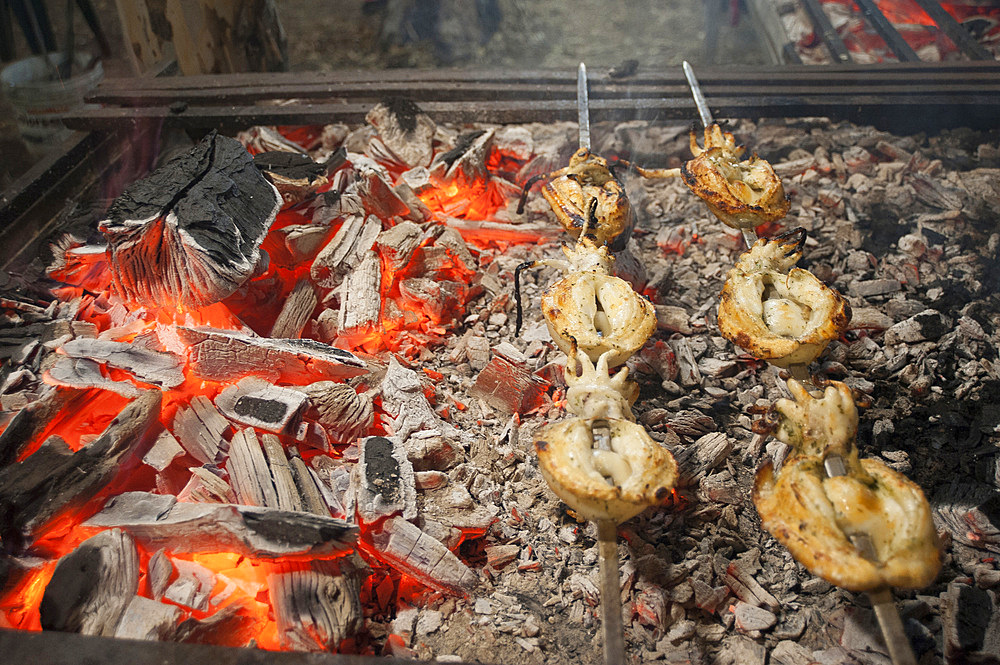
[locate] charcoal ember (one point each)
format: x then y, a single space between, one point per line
971 625
263 405
159 368
383 480
190 233
373 184
147 619
248 471
92 585
344 413
405 547
163 451
467 158
30 421
296 310
163 521
205 486
55 479
509 385
360 296
407 410
404 130
192 586
295 175
345 251
232 626
227 355
82 373
200 429
318 606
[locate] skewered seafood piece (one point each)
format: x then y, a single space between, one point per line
593 393
605 469
819 517
778 312
572 190
595 312
743 194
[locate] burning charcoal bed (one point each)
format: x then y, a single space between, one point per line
313 432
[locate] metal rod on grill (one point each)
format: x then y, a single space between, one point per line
607 530
886 31
885 608
827 33
956 33
749 235
583 106
607 549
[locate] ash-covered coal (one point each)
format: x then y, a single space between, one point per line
190 233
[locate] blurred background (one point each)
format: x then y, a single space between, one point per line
134 37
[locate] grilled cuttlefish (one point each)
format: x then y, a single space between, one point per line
777 312
816 515
605 469
743 194
595 312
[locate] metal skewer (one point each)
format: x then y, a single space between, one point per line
607 530
749 235
607 549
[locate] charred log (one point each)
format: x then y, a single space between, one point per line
92 585
162 521
53 479
190 233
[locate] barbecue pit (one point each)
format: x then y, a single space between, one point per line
902 224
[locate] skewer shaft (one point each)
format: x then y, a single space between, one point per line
699 96
583 106
885 608
611 603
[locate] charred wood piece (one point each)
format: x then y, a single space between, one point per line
146 619
192 587
190 233
54 478
468 157
92 585
164 451
159 368
346 249
31 420
296 311
318 607
262 405
225 355
206 487
406 132
384 481
360 295
82 374
293 174
344 413
509 385
162 521
282 475
405 547
248 471
200 428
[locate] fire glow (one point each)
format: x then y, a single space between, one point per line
422 300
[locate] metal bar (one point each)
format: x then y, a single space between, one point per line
956 33
611 595
423 91
699 98
827 33
886 31
709 76
887 112
583 106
